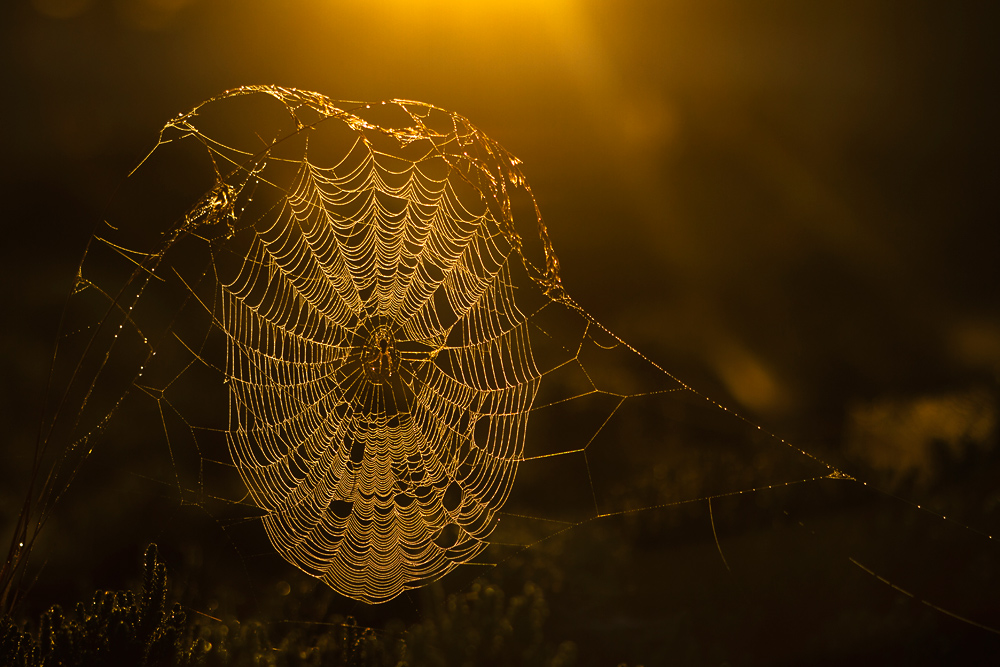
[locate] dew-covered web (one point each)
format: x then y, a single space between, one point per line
345 323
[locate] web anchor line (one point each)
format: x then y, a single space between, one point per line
937 608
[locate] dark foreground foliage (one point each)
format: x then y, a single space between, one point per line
479 627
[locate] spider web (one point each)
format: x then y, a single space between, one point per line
357 337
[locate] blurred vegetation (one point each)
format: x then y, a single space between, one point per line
481 626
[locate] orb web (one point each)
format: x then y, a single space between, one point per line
370 328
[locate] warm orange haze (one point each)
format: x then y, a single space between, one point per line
783 214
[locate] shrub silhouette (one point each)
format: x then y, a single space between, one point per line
478 627
115 627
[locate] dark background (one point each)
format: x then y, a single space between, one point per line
790 206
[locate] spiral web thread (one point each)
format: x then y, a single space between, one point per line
369 293
352 414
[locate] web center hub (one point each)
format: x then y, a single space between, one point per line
379 356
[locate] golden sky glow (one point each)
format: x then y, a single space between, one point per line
789 205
